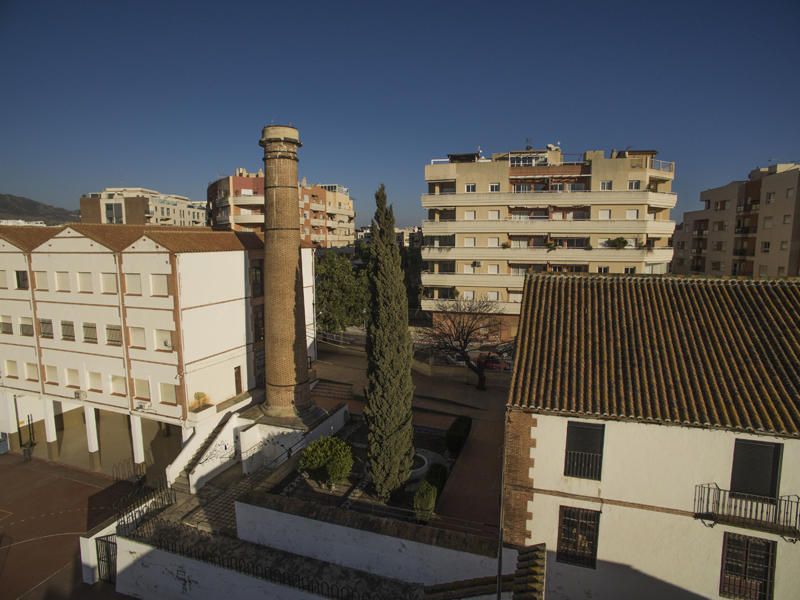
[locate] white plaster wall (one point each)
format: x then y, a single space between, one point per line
214 376
220 454
230 280
145 572
364 550
309 299
262 443
199 434
88 549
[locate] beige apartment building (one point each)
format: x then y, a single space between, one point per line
327 216
746 228
141 206
492 220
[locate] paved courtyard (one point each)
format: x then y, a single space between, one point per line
44 508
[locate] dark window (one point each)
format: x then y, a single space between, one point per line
22 280
256 279
46 328
114 213
577 536
258 323
748 568
68 331
90 333
584 454
755 468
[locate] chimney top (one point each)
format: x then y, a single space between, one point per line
280 133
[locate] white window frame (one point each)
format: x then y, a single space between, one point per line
494 187
470 188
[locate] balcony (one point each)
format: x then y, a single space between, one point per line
247 200
544 226
535 199
251 219
586 465
538 254
743 252
503 308
773 515
744 231
700 232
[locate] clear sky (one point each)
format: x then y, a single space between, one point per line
171 95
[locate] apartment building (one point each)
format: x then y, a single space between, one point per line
155 323
746 228
653 436
492 220
326 213
141 206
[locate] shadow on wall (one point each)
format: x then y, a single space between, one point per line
609 581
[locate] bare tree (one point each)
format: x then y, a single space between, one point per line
457 325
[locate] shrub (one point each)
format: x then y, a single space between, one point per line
437 476
425 501
457 434
330 453
617 243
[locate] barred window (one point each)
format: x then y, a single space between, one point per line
90 333
68 331
577 536
748 568
113 335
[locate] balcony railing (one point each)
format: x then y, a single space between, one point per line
743 252
586 465
776 515
744 230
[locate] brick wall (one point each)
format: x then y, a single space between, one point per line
517 482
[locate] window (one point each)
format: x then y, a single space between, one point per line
577 536
133 284
469 188
716 265
256 278
515 297
634 184
493 242
108 283
62 281
158 285
469 242
781 271
720 205
557 187
748 567
468 295
767 222
604 214
789 193
46 328
141 389
3 280
72 378
118 385
50 374
163 339
584 450
258 323
31 371
718 226
494 215
26 326
630 270
469 215
765 247
113 335
756 468
493 269
784 245
762 270
114 212
787 219
602 269
22 280
95 381
90 333
5 325
85 283
40 280
468 269
136 335
632 214
167 393
68 331
606 185
718 246
494 187
520 188
10 369
770 197
493 296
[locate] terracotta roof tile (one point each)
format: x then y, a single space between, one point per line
28 237
694 351
206 241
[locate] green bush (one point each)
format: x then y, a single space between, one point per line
457 434
437 476
425 501
331 454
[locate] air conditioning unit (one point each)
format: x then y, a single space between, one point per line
80 395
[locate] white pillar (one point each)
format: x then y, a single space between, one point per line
49 421
91 428
138 440
186 433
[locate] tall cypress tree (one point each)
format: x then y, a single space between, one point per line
389 352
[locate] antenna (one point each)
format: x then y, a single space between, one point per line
528 144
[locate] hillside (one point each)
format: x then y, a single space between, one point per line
19 207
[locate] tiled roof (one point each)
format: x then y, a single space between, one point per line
206 240
119 237
691 351
28 237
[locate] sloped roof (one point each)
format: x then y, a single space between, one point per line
693 351
119 237
206 240
28 237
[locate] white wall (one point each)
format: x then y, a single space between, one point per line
374 553
146 572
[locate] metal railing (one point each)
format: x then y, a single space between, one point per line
586 465
777 515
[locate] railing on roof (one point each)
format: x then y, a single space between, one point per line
776 515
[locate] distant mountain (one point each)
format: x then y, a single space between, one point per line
18 207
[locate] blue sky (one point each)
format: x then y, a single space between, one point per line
171 95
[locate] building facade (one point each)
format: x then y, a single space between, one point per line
140 206
746 228
326 213
649 455
492 220
157 324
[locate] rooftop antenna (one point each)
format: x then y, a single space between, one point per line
528 144
480 152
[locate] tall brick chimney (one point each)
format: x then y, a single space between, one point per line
287 385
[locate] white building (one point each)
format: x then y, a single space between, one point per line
141 206
155 323
653 436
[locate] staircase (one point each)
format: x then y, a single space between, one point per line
181 483
467 588
529 577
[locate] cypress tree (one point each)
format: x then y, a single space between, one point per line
389 388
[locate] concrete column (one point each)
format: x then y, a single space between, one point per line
49 421
137 439
186 433
90 416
